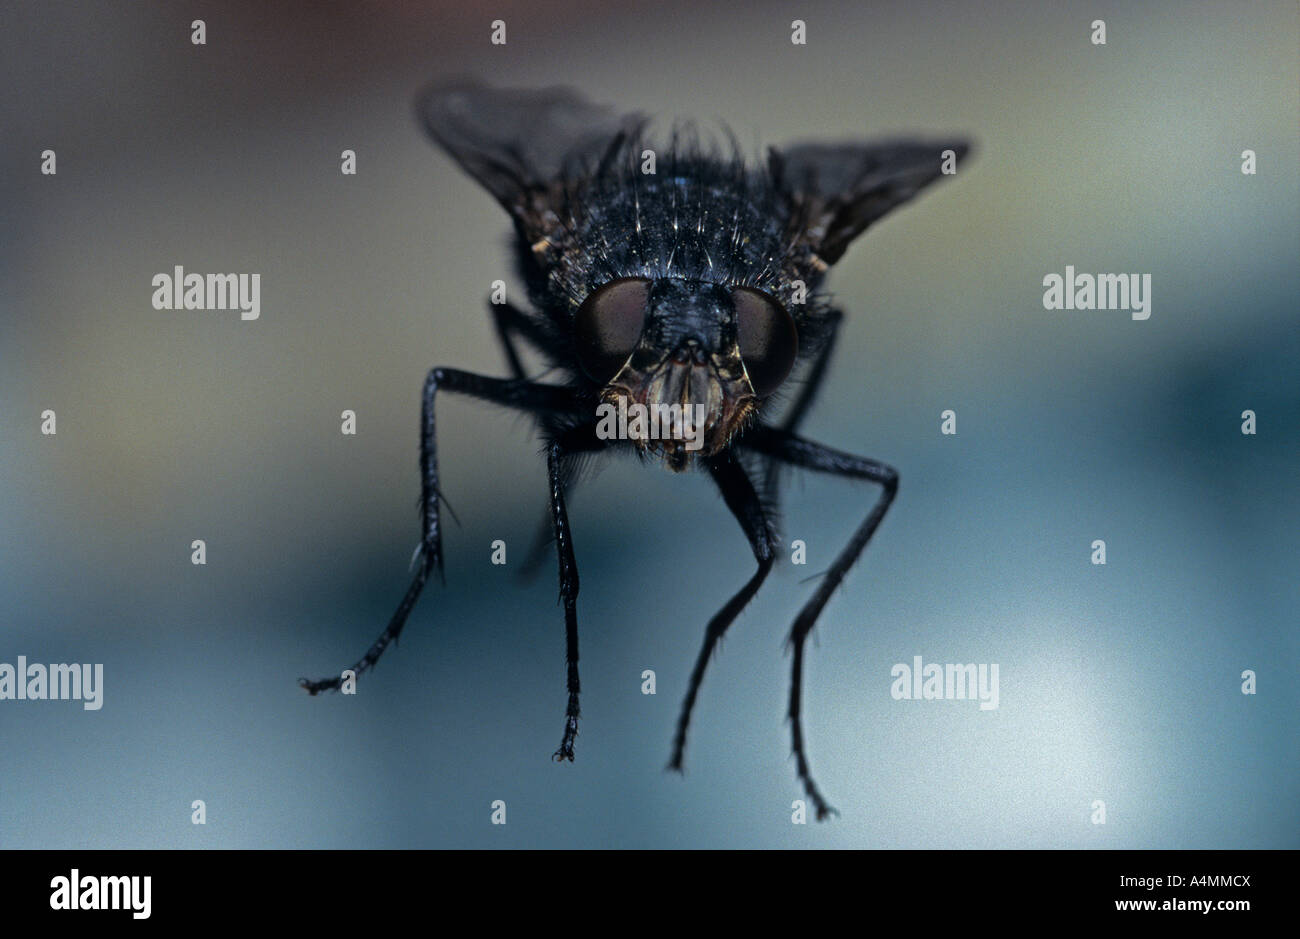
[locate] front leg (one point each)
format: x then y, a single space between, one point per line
738 492
522 395
796 451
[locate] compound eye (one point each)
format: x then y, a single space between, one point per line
608 326
767 337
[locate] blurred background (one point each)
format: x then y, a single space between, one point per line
1118 683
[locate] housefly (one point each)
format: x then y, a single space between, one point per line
677 282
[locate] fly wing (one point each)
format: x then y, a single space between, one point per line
522 145
834 191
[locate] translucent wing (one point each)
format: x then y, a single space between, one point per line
834 191
522 144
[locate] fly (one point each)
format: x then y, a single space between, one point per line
692 297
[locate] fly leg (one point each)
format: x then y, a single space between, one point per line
510 322
796 451
803 401
521 395
559 453
739 494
